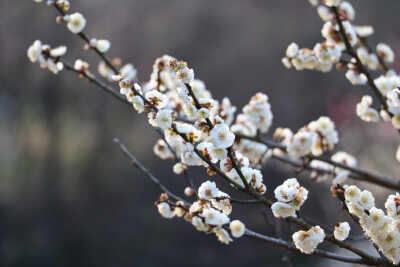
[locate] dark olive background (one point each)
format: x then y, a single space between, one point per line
68 197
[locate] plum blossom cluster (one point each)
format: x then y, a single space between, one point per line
342 231
321 57
343 37
212 140
388 86
208 214
317 137
333 48
290 196
382 229
46 56
197 130
256 118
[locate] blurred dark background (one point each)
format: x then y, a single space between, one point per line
68 197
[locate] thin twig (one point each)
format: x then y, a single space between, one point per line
145 171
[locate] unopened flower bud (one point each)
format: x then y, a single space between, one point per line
189 191
59 19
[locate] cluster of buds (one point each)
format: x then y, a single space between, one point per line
101 45
321 58
168 209
316 138
46 56
210 213
252 176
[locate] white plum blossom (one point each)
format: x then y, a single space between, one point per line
208 190
332 2
223 203
237 228
286 62
76 22
179 168
348 10
342 231
258 112
281 209
58 51
103 45
138 104
355 77
352 193
223 235
385 52
367 200
386 84
307 241
165 210
340 178
301 144
376 217
324 13
364 31
344 158
198 223
35 51
164 118
221 136
367 58
161 150
350 32
196 207
215 217
392 206
81 65
292 50
217 153
156 98
394 97
189 157
365 110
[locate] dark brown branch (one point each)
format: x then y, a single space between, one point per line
316 252
356 173
358 63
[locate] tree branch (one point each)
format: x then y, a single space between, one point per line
316 252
